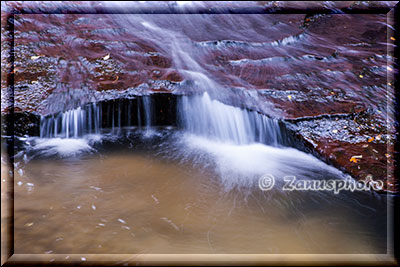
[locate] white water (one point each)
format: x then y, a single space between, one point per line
237 144
200 115
243 165
64 147
148 111
72 123
204 116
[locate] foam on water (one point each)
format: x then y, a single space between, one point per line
63 147
238 144
243 165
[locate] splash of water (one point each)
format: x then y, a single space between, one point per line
199 114
207 117
243 165
62 147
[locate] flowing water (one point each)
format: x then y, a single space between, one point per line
186 189
186 194
110 178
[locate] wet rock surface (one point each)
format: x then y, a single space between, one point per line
357 144
324 75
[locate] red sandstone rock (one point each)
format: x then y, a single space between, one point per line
305 67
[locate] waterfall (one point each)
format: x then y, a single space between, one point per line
148 111
198 114
89 120
72 123
204 116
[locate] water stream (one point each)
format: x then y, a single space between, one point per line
118 168
189 188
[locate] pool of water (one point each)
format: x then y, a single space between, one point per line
166 191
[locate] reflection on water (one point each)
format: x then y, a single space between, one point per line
165 195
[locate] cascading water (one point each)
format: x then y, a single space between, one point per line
180 176
147 105
90 119
237 144
72 123
204 116
197 114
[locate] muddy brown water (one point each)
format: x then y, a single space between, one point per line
139 202
136 201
